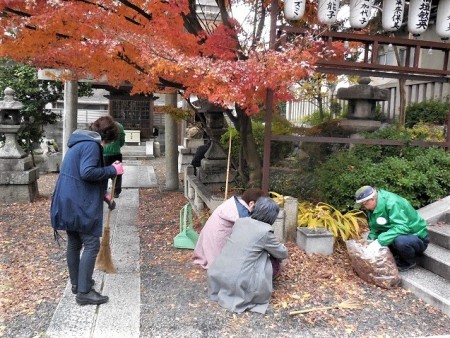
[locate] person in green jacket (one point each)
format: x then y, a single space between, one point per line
111 154
393 222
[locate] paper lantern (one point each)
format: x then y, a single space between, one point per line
443 19
294 9
328 10
360 13
392 16
418 16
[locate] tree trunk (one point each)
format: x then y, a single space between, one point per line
402 92
248 150
320 105
402 103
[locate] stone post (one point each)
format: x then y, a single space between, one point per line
18 177
172 180
290 226
70 111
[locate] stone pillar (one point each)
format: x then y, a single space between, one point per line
171 141
18 177
70 111
291 223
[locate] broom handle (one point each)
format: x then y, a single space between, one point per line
113 187
228 168
312 309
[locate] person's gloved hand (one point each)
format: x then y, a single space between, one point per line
119 167
372 248
111 203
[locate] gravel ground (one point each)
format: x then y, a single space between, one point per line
174 300
175 303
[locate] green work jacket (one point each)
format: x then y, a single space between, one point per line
113 148
394 216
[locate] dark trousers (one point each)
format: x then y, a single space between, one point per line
276 267
81 267
110 160
408 247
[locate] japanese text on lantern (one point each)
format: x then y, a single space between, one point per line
331 9
424 14
298 5
398 14
365 11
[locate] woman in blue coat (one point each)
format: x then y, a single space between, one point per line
77 203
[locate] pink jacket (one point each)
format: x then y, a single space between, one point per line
216 231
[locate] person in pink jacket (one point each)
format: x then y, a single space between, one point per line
219 225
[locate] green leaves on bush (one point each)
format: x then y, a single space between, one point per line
420 175
279 149
432 111
322 215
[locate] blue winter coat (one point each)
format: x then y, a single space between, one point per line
77 201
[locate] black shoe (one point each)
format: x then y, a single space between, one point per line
116 195
75 287
406 266
91 298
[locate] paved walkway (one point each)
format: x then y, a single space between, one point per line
120 317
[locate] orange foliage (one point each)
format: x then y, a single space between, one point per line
145 43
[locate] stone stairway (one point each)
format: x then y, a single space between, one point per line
430 281
136 153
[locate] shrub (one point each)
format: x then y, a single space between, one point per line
427 132
295 183
279 149
432 111
420 176
341 225
314 119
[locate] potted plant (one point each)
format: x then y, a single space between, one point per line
320 224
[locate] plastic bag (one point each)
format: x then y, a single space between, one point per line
379 269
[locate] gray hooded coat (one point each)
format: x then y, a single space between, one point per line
240 278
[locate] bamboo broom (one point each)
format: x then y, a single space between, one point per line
104 259
348 304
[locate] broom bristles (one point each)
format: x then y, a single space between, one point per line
104 258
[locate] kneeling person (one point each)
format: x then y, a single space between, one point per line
393 222
240 278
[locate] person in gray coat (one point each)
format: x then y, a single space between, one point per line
240 278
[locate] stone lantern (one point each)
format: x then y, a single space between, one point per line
213 170
18 177
362 100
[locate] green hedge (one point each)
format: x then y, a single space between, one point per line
421 175
432 111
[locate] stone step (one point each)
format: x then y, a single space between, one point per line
433 289
440 232
437 260
135 152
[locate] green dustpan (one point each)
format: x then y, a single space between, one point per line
187 238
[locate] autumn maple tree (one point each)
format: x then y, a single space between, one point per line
158 46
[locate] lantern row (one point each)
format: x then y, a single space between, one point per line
392 15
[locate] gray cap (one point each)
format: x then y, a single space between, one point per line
363 194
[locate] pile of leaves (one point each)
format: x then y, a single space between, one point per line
32 265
